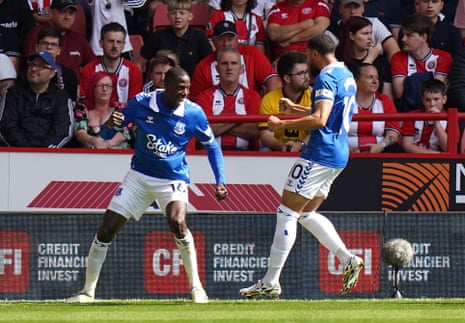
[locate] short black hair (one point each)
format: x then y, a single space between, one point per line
112 27
288 60
49 31
174 74
434 86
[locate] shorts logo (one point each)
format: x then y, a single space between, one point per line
415 187
163 268
366 245
14 261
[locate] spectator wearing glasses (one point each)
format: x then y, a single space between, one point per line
293 70
49 40
75 49
37 114
99 103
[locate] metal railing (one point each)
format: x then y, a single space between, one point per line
451 115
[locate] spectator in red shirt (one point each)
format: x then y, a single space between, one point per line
427 136
291 23
257 74
230 98
126 75
372 136
249 25
416 62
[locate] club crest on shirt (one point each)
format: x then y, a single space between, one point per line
179 128
122 83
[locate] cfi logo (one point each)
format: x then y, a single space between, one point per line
415 187
163 265
366 245
14 261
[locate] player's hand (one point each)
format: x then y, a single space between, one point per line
274 123
221 192
116 119
285 105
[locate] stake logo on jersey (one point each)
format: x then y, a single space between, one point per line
159 148
162 134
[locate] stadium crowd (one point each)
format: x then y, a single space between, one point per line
66 65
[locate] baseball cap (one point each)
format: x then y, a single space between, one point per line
46 57
346 2
7 72
63 4
224 27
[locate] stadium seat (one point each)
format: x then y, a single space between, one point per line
160 18
201 15
136 41
80 23
199 21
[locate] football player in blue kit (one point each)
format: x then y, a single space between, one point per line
321 161
165 122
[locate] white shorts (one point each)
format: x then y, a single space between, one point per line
309 179
138 191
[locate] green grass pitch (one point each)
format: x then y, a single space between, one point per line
283 311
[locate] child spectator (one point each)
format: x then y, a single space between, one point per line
427 136
190 44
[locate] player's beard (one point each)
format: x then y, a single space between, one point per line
314 70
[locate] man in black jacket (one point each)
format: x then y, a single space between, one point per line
37 114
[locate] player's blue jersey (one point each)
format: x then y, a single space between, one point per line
329 145
162 134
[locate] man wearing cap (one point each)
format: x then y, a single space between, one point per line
37 114
258 74
75 50
229 98
381 34
291 23
190 44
